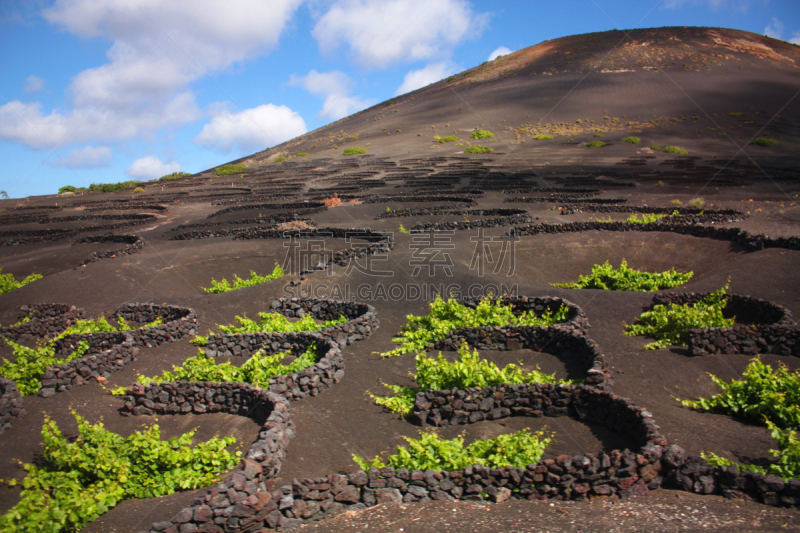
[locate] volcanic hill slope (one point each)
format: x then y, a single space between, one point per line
708 91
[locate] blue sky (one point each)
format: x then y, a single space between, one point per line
109 90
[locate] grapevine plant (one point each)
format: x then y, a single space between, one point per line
30 364
238 283
444 317
670 325
79 480
627 279
764 395
257 370
271 322
431 452
8 283
468 370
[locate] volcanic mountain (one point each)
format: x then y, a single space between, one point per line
695 130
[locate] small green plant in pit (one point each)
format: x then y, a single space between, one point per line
594 144
401 229
8 283
448 139
647 218
444 317
632 140
674 150
481 134
431 452
228 169
257 370
735 114
543 137
655 147
280 159
468 370
671 324
598 134
627 279
30 364
478 150
764 393
787 465
354 150
660 183
764 141
174 176
676 202
70 188
697 203
78 480
238 283
302 154
271 323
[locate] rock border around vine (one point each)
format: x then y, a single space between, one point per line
738 236
46 320
11 404
362 321
772 327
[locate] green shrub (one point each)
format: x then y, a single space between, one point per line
598 134
468 370
647 218
431 452
763 394
174 176
544 137
735 114
481 134
674 150
113 187
655 147
670 325
764 141
788 455
78 480
70 188
632 140
238 283
8 283
302 154
676 202
448 139
355 150
478 150
627 279
226 170
30 364
280 159
402 229
257 370
594 144
444 317
138 190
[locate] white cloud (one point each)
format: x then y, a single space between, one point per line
33 84
735 5
381 33
501 51
334 86
252 129
417 79
150 167
158 48
775 29
795 38
86 157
